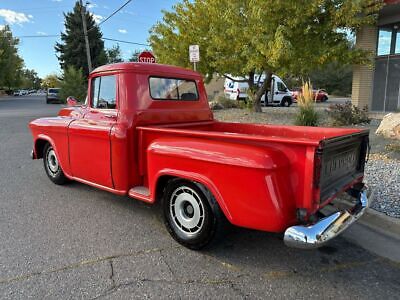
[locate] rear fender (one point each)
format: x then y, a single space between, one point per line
212 164
204 183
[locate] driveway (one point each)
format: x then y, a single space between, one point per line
73 241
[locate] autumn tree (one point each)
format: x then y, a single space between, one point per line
243 38
50 81
72 50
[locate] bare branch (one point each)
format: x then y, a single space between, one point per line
236 80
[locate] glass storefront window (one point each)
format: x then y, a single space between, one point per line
384 41
397 48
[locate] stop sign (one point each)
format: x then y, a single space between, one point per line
147 57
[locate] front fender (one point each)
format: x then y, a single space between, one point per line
54 131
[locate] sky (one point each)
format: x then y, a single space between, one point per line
45 17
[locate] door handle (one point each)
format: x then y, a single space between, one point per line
110 116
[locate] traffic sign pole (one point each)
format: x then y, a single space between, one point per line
194 55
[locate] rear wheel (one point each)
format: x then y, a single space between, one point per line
324 99
52 165
188 214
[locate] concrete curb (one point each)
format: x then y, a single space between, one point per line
375 232
381 223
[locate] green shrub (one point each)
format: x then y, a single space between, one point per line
243 104
347 114
306 115
227 103
73 84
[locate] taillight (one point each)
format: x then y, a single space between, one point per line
317 176
317 167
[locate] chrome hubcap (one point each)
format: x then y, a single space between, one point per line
52 161
187 210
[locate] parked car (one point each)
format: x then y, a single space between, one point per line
17 93
52 95
234 89
146 131
319 95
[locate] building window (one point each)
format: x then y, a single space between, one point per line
384 41
397 48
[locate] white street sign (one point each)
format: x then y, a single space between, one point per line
194 53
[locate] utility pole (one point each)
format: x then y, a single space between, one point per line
89 59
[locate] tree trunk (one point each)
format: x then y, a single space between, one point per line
261 91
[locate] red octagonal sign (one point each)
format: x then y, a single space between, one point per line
147 57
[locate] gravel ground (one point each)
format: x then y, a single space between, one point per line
383 176
382 171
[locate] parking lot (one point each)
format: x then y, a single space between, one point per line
75 241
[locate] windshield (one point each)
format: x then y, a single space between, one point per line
54 91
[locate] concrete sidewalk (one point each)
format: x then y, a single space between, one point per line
374 231
378 233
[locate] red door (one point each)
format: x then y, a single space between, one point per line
89 137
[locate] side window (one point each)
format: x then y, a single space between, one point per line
104 92
173 89
281 87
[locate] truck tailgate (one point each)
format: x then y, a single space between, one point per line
340 161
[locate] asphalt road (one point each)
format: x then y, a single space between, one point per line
73 241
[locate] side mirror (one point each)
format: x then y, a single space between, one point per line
71 101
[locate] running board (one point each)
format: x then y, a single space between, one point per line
141 193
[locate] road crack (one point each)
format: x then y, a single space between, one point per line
113 285
81 264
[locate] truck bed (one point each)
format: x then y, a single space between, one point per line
335 157
312 136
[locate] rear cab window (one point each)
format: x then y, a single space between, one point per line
162 88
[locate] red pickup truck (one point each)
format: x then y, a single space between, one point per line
147 131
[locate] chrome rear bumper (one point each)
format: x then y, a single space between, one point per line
316 235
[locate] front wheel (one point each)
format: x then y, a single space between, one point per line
188 215
52 166
286 102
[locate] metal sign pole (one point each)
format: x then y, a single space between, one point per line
194 55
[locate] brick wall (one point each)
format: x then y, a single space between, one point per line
363 76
